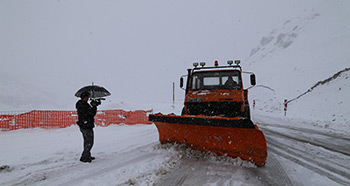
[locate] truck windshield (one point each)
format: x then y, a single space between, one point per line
216 80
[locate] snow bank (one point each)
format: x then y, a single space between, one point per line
51 157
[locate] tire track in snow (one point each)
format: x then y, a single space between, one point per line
202 171
275 142
321 162
329 142
309 166
306 130
313 161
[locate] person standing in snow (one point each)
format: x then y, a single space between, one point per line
86 115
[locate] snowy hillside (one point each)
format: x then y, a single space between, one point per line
294 57
327 105
323 105
49 50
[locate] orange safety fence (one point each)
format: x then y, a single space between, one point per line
61 119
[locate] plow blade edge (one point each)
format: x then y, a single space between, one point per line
234 137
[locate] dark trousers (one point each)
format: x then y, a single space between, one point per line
88 135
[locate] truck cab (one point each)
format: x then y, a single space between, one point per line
216 91
215 117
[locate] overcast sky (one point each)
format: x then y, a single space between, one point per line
136 49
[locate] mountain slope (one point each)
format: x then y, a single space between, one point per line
308 52
327 103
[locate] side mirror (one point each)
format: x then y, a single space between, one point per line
181 82
252 79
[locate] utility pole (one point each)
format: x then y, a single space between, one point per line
173 95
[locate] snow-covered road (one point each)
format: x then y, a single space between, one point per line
296 156
322 153
204 170
132 155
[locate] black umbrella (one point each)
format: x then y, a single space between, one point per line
94 90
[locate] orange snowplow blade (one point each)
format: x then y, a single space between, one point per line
235 137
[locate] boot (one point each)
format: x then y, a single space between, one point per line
85 160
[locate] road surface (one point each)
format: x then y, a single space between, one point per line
324 156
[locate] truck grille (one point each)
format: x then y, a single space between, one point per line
226 109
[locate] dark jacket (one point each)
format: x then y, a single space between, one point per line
86 114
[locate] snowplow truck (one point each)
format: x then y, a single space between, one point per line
216 114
